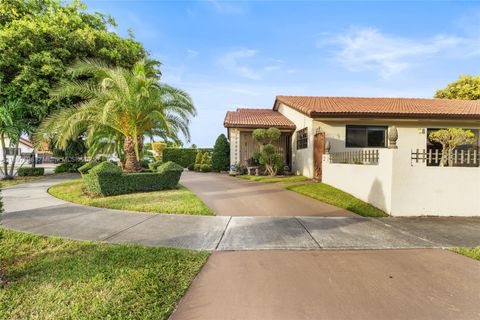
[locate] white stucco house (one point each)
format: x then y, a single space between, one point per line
374 148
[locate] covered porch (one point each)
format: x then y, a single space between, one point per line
242 122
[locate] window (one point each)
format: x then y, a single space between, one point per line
302 139
366 137
11 151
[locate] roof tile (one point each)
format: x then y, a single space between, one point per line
257 118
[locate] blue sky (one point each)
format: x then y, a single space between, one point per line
243 54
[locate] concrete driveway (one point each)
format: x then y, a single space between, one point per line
229 196
382 284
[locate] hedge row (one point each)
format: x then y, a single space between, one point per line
184 157
107 179
23 172
69 167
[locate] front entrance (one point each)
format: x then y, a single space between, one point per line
318 150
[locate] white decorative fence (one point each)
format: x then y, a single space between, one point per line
355 157
457 158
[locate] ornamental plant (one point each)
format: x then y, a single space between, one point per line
158 148
450 139
268 155
221 154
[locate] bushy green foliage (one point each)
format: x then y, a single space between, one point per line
155 164
24 172
107 179
39 39
450 139
145 164
87 166
71 167
221 154
465 88
205 167
268 155
199 157
181 156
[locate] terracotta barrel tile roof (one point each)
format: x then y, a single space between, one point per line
257 118
382 107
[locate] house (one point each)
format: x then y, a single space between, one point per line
25 151
374 148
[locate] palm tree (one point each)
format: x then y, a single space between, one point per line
122 106
13 124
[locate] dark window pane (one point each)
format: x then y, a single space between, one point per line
366 136
356 137
376 137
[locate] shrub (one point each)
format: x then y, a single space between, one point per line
198 157
205 168
191 167
221 154
144 163
107 179
155 164
69 167
158 148
24 172
87 167
181 156
268 155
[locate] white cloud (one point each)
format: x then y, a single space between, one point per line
234 61
192 53
363 49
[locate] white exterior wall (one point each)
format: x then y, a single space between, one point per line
404 189
302 160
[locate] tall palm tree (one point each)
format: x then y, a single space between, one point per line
121 104
13 124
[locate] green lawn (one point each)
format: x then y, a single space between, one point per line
268 179
473 253
180 200
336 197
52 278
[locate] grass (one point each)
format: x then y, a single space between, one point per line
52 278
336 197
268 179
473 253
19 180
181 200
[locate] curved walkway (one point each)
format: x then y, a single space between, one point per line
28 207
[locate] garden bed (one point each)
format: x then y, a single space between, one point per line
53 278
180 200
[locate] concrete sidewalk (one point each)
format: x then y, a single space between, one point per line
381 284
30 208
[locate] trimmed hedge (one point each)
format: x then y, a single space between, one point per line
182 156
87 167
69 167
155 164
107 179
24 172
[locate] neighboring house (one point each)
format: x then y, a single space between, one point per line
24 151
374 148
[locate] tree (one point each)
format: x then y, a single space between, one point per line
268 155
39 39
122 103
13 125
221 154
465 88
450 139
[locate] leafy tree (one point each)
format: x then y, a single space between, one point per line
465 88
74 149
221 154
124 104
39 39
268 155
450 139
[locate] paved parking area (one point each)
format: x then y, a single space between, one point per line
362 284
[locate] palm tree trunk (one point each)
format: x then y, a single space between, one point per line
131 162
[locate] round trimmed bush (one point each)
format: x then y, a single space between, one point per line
169 166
